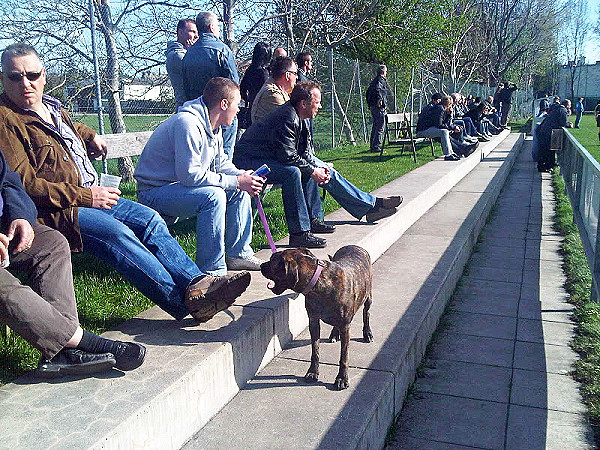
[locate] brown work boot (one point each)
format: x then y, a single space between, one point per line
211 295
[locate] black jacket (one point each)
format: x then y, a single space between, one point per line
377 93
281 136
432 115
557 117
16 202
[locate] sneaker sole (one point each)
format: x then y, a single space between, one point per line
221 298
76 369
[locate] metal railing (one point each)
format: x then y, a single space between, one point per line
581 173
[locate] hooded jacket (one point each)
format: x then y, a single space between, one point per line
175 53
185 149
42 158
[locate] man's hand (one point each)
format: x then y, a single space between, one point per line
22 230
104 197
321 175
249 183
96 148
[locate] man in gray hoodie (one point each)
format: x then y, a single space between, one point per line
187 34
184 172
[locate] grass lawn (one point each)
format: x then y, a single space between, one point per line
105 299
587 313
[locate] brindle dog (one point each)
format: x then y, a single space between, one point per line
342 287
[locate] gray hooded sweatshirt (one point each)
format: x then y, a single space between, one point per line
184 149
175 53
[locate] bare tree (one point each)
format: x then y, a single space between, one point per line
575 33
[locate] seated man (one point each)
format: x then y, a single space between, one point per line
48 151
50 323
282 141
433 123
184 160
276 90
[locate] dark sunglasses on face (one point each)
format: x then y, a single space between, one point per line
16 76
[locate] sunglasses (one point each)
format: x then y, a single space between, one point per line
16 76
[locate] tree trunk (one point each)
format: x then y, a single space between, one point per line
113 81
228 21
346 127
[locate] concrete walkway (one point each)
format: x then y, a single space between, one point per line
496 375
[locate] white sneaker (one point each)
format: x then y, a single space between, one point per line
244 263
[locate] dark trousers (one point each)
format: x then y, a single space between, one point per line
45 314
377 129
300 193
546 157
505 113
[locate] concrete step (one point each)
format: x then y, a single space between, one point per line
413 282
192 371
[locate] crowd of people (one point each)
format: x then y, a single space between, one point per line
196 164
52 204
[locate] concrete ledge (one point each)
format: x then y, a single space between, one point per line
413 282
192 371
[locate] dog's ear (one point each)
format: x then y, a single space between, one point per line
291 272
307 252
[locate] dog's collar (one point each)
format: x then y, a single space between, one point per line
315 277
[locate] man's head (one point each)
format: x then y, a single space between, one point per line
187 33
304 61
556 99
23 76
581 99
436 98
381 70
306 98
285 73
222 97
446 102
207 22
279 52
261 55
566 103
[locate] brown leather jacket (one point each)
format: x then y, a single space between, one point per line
42 159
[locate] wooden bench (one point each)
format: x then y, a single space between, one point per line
400 125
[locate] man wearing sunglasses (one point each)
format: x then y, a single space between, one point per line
52 156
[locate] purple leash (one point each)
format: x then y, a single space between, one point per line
263 219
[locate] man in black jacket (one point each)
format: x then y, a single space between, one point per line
50 324
377 100
282 140
557 117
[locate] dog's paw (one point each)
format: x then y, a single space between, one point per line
341 383
311 377
367 336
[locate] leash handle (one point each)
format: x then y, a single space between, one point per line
263 219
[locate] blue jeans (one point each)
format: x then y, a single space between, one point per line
300 193
223 220
351 198
135 240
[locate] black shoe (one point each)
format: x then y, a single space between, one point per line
70 361
389 202
452 157
129 355
307 240
318 226
379 212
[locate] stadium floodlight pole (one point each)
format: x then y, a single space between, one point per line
97 76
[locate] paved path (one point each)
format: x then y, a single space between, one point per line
497 371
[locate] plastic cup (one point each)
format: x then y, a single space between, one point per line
107 180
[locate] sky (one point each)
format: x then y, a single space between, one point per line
592 50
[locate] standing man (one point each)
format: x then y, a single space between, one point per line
557 118
52 156
184 160
187 34
304 61
579 109
210 57
377 100
505 97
